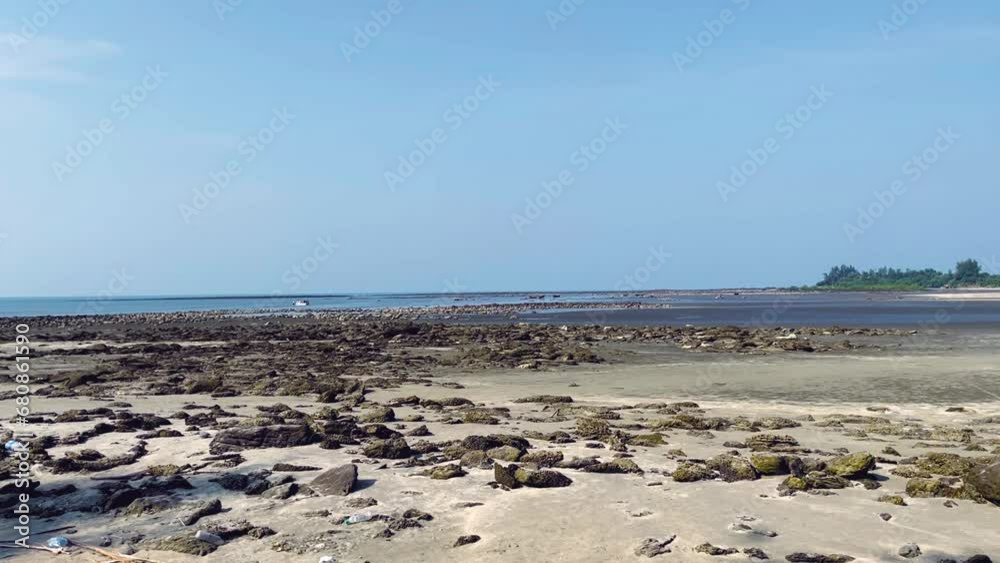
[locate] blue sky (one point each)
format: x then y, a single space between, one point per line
313 207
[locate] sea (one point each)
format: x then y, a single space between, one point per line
726 307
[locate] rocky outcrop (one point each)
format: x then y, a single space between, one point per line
277 436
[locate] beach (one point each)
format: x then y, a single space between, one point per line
510 441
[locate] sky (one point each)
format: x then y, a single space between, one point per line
237 147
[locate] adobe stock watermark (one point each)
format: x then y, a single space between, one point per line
224 7
901 14
787 127
563 11
581 159
300 272
248 149
364 35
639 277
455 117
119 282
914 169
122 107
47 11
704 39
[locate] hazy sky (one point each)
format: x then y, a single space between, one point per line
312 106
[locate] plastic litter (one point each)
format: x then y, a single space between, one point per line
326 559
12 445
56 542
208 537
358 518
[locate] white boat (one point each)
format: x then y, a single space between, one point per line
301 303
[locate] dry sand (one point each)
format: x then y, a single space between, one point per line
599 517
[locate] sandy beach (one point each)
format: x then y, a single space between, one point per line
632 444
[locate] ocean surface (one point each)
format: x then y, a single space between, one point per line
705 308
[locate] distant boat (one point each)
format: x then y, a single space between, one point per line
301 303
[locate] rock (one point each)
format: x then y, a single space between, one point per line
443 472
689 472
475 458
799 557
506 475
185 543
929 488
910 551
338 481
277 436
505 453
288 467
651 547
466 540
543 458
889 450
769 464
592 428
732 468
485 443
378 414
200 510
545 399
885 516
414 514
951 465
852 466
755 553
281 492
759 442
360 502
419 431
388 449
618 465
986 482
979 558
710 549
647 440
892 499
543 479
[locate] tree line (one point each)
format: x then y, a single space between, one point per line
967 273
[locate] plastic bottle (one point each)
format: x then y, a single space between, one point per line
208 538
358 518
57 542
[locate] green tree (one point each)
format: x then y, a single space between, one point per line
968 271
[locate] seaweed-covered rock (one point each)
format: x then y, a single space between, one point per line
760 442
952 465
892 499
443 472
647 440
732 468
617 465
930 488
709 549
769 464
505 453
506 476
545 399
592 428
851 466
542 458
542 479
690 472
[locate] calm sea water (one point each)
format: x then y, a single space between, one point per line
810 309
